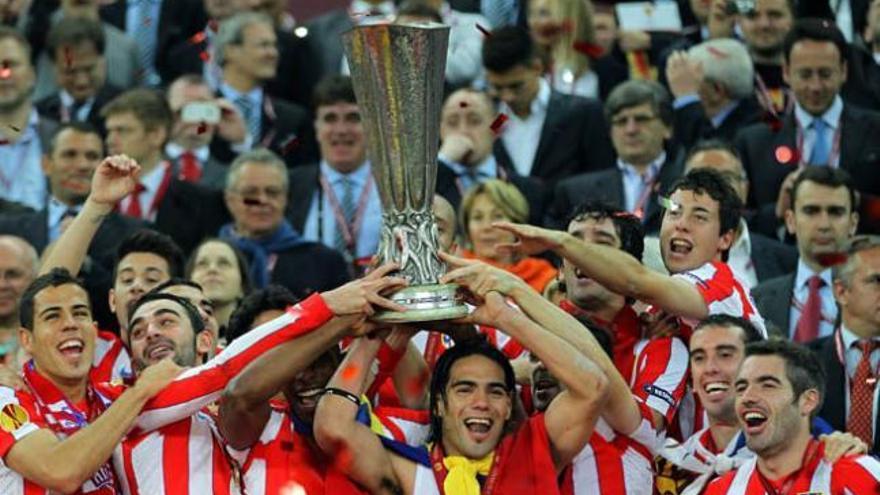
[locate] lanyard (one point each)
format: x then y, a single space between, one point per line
349 231
838 346
160 192
488 486
788 484
766 100
835 145
649 184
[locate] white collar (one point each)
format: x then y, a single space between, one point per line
153 179
831 116
652 169
849 338
538 105
174 150
804 273
744 241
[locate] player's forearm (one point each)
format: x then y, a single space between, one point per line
411 378
70 250
612 268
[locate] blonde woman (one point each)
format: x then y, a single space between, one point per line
499 201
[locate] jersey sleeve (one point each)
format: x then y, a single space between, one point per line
856 475
201 385
111 361
720 486
18 418
661 375
710 283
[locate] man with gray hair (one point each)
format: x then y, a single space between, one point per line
246 49
256 196
18 268
641 120
713 86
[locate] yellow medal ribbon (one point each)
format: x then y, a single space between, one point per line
462 476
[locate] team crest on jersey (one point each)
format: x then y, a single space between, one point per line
13 417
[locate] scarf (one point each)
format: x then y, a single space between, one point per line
259 250
462 477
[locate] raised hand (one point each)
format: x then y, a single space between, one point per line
530 239
684 74
359 296
478 277
839 444
494 311
232 126
114 179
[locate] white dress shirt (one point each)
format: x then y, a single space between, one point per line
739 258
521 136
805 120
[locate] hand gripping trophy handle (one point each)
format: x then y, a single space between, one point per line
397 71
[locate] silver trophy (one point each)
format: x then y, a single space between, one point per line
397 71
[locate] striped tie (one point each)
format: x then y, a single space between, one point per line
145 37
251 116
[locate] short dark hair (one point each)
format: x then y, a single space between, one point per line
272 297
243 267
710 182
507 47
713 144
418 8
637 92
629 228
81 127
195 319
473 347
56 277
334 89
72 31
151 241
749 330
802 368
147 105
175 282
832 177
815 29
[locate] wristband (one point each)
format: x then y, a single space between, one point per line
345 394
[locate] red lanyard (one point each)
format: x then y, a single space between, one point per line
639 208
788 484
767 101
160 192
349 231
841 352
835 145
491 482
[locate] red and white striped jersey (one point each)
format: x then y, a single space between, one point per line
660 374
723 292
19 417
853 475
613 464
111 361
181 458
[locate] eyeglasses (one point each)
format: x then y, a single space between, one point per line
641 119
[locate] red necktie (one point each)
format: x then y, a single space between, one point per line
811 314
134 205
190 171
861 397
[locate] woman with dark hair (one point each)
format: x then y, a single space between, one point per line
222 271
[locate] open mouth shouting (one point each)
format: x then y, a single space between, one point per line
72 349
309 398
754 421
478 428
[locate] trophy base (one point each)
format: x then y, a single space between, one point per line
425 303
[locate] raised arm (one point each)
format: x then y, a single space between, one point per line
573 413
244 408
64 465
113 180
620 409
354 446
615 269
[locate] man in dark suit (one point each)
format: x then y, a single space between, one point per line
247 52
154 24
138 125
256 196
851 354
76 48
862 85
753 256
324 32
336 202
197 55
801 304
823 129
546 135
640 113
188 146
713 86
466 153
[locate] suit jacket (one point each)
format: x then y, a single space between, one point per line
862 85
303 184
531 188
178 19
834 406
773 299
772 258
51 107
324 39
573 140
213 173
607 185
189 212
691 123
120 54
285 128
310 267
859 153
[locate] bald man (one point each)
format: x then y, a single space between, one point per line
18 267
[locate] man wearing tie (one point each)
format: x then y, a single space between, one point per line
822 219
851 355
